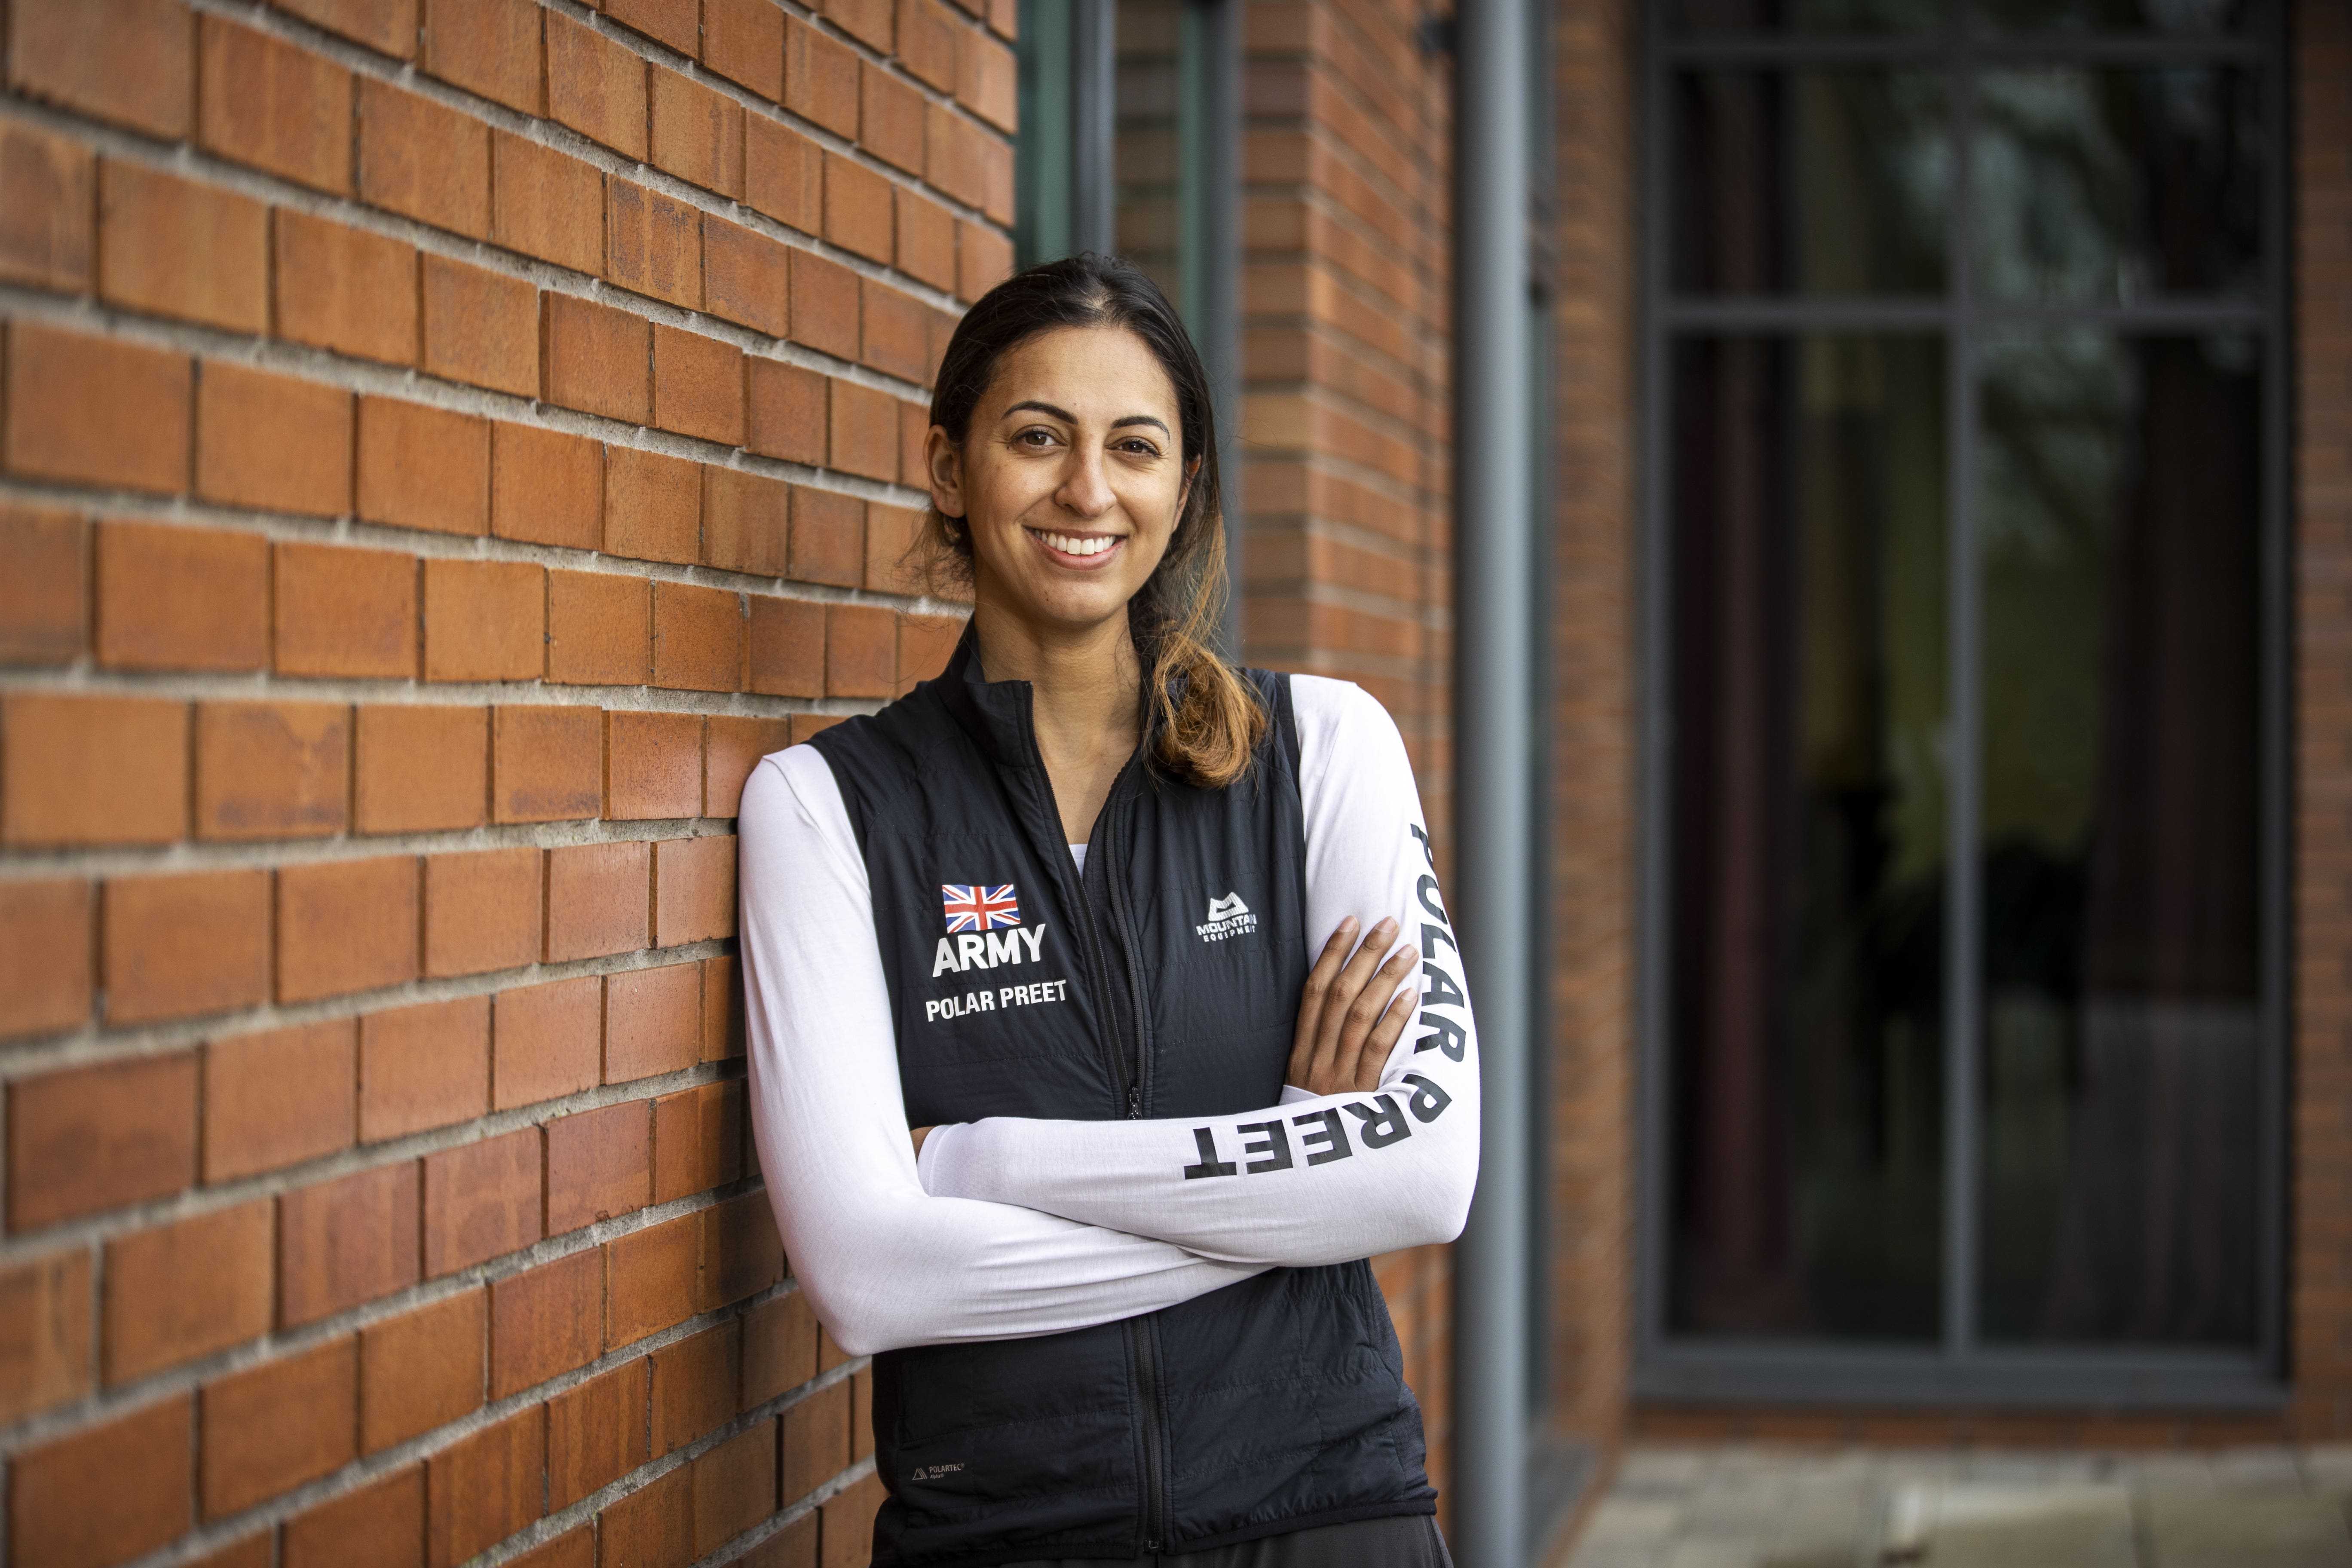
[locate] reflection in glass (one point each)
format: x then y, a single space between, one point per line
2117 15
2119 535
1807 824
1819 183
1705 16
2108 186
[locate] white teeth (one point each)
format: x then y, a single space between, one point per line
1069 545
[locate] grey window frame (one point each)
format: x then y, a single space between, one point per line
1959 1372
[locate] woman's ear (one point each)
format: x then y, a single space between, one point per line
945 465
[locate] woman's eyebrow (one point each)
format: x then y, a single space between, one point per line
1064 414
1138 419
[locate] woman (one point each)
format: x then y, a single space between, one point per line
1052 914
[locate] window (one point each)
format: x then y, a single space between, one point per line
1964 984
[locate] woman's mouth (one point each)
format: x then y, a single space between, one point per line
1081 550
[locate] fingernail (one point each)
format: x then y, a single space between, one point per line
1348 922
1388 923
1411 952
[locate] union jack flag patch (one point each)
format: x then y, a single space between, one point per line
970 907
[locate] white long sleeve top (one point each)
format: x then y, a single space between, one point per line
1012 1226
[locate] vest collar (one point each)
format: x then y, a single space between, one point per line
998 714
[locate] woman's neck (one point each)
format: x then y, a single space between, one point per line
1084 684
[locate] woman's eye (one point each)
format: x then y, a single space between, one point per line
1036 437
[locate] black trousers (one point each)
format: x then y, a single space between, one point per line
1410 1541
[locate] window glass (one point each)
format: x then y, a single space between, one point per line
2117 15
1704 16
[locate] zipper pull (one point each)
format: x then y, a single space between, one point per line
1134 1103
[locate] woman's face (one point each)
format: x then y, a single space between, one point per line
1070 477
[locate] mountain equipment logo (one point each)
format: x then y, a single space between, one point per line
970 907
1228 916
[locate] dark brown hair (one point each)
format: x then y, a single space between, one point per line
1206 719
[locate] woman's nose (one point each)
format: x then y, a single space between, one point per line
1086 491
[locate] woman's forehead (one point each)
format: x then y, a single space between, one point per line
1095 375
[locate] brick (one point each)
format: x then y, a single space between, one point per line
891 118
848 1531
481 1200
653 765
277 1425
897 339
794 1546
867 21
420 769
861 651
697 637
865 428
698 133
861 1414
279 1098
488 47
94 411
1004 18
893 537
173 947
545 1321
422 1370
735 745
743 40
129 61
424 468
597 901
926 643
547 764
346 925
599 1166
741 1253
272 770
387 27
722 1007
599 628
653 1527
423 1066
651 1280
820 79
927 240
786 412
171 246
698 1139
595 1433
46 948
693 890
547 1041
478 327
698 386
744 521
88 1139
694 1385
544 203
345 612
674 22
108 1494
596 359
857 209
808 725
546 487
595 86
828 537
734 1487
783 174
746 277
272 442
423 160
482 911
652 1023
345 290
780 1339
379 1526
172 597
483 620
983 259
653 244
344 1243
815 1441
987 82
43 1333
913 442
953 160
824 305
182 1290
485 1488
44 595
926 42
264 101
575 1548
653 505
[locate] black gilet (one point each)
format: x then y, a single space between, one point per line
1020 988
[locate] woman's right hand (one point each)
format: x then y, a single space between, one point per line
1352 1011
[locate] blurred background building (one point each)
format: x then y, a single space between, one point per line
1850 503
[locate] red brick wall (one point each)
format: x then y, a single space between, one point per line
444 443
1346 159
